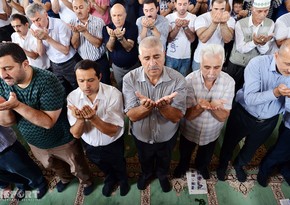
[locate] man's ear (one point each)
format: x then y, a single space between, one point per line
25 64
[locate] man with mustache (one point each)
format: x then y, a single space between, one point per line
152 24
25 39
35 102
96 116
257 108
155 98
210 93
253 36
87 37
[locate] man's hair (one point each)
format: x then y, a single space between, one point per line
212 49
150 42
13 50
88 64
23 20
86 1
32 9
151 1
238 2
218 1
284 48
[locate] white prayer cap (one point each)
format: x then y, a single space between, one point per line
261 3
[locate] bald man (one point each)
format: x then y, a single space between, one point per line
120 38
257 109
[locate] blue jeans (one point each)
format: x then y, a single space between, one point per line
181 65
18 168
195 65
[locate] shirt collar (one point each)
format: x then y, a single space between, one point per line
89 19
50 23
100 96
251 22
273 65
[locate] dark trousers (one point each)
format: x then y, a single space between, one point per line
278 155
237 73
17 167
105 69
155 156
66 74
241 124
203 156
110 159
6 32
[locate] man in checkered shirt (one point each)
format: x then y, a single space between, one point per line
210 93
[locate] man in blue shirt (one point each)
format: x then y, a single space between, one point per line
257 108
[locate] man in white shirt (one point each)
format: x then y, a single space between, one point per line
23 37
181 35
213 27
53 38
282 29
64 9
96 115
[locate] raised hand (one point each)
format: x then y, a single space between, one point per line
75 112
89 112
166 100
145 101
218 104
11 103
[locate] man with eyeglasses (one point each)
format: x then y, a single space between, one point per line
24 38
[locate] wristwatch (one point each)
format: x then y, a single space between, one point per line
185 28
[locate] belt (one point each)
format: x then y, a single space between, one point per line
251 116
61 64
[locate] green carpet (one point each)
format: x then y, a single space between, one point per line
230 192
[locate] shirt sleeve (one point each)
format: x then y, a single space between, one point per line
114 112
253 91
281 30
241 45
129 89
64 34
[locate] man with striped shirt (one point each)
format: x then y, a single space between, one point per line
87 37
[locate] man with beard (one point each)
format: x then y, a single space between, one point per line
155 98
210 93
181 35
152 24
35 102
87 37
